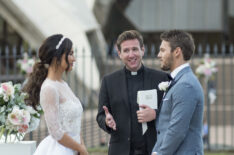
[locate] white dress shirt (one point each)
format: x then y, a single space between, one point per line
178 69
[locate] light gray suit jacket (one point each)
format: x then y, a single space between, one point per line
179 126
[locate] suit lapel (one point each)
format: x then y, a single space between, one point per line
181 73
178 76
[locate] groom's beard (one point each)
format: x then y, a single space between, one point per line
167 64
165 68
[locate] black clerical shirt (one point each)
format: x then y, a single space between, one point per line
135 82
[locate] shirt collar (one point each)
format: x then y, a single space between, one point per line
138 72
178 69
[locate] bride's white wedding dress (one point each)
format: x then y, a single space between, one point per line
63 112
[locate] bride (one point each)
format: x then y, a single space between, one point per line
62 109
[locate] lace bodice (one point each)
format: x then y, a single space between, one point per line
62 109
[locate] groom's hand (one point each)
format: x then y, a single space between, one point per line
110 122
145 114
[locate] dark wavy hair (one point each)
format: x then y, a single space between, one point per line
182 39
47 53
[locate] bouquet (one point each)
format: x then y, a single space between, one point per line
26 64
207 68
16 118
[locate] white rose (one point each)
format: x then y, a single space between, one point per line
19 117
10 126
5 98
26 116
31 62
34 123
39 108
8 88
163 85
200 69
14 118
31 110
24 67
15 108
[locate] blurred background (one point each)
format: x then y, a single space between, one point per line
93 26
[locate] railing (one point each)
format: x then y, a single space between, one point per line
219 115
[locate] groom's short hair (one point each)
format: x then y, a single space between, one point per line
182 39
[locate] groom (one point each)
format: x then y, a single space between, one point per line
179 125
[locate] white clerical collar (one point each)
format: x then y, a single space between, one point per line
178 69
133 73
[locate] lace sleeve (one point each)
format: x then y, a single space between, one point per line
49 100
